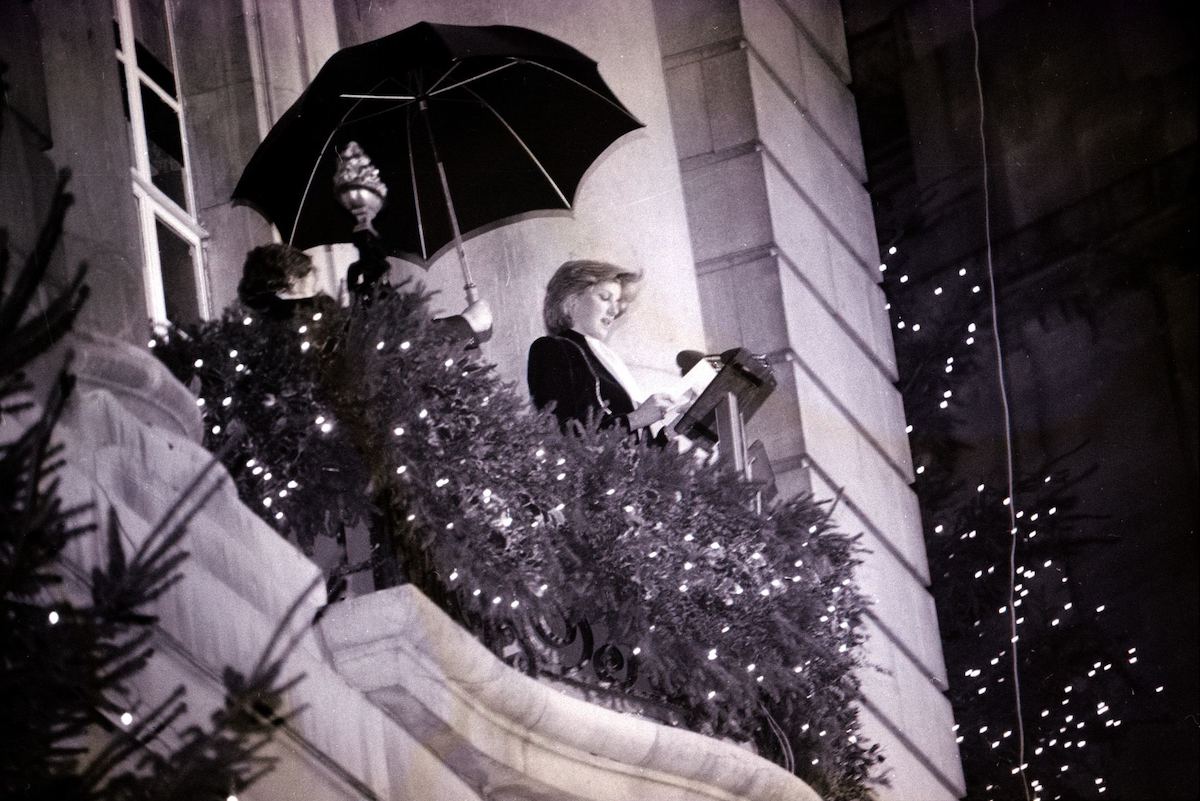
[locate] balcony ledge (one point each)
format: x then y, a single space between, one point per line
512 737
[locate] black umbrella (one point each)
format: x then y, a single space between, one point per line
466 125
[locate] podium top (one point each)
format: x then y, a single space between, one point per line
745 376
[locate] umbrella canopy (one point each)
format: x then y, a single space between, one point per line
515 118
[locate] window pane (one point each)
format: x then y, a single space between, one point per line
176 259
165 145
152 43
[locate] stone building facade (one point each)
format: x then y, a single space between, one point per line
742 200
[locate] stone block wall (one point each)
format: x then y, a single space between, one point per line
787 262
79 126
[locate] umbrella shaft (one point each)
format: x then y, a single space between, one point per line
469 285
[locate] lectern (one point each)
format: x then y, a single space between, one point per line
739 389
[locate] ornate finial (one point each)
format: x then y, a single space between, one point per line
358 186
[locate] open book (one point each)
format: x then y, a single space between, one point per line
685 390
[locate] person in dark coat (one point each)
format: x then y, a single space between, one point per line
573 371
279 282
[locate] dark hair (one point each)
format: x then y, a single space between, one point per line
574 277
268 270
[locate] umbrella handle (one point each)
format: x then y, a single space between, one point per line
472 292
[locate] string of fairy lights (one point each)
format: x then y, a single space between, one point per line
1073 713
277 489
1056 750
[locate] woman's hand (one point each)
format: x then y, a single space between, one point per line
653 409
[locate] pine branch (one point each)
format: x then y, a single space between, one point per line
66 666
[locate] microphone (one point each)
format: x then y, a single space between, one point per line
687 359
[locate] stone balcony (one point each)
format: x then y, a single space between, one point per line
398 701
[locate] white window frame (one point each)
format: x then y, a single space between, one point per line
153 205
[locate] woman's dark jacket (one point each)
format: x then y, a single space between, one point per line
563 371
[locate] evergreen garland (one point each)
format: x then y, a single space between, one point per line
69 659
372 414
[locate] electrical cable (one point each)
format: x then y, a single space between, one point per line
1008 438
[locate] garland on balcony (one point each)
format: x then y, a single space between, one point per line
72 646
749 624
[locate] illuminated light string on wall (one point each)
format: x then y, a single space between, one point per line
1020 577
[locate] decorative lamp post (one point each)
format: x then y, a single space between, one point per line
361 191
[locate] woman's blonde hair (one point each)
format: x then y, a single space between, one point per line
574 277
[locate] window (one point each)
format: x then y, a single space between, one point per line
172 252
